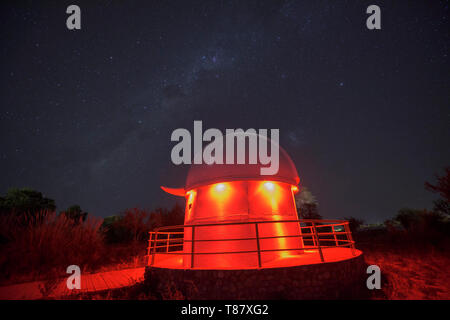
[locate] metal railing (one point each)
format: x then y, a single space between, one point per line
315 234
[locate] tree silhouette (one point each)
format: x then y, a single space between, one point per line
307 205
25 201
75 213
354 223
443 189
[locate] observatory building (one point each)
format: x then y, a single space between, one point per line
236 218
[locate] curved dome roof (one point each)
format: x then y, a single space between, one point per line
203 174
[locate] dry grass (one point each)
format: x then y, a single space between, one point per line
423 276
42 247
38 246
413 266
124 256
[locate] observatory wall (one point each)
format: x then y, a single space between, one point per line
240 202
336 280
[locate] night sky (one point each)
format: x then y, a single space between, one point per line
86 116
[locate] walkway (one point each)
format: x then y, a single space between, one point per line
57 288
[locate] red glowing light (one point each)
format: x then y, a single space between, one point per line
269 186
220 187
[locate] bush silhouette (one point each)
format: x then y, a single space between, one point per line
25 201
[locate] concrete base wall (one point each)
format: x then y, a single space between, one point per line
336 280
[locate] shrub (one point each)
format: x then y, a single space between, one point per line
75 213
409 218
133 225
45 244
25 201
354 223
422 224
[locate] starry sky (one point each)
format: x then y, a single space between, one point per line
86 116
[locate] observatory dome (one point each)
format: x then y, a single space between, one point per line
204 174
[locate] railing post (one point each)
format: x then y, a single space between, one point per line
302 242
149 247
154 247
257 244
168 240
349 237
192 246
335 238
318 242
312 235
